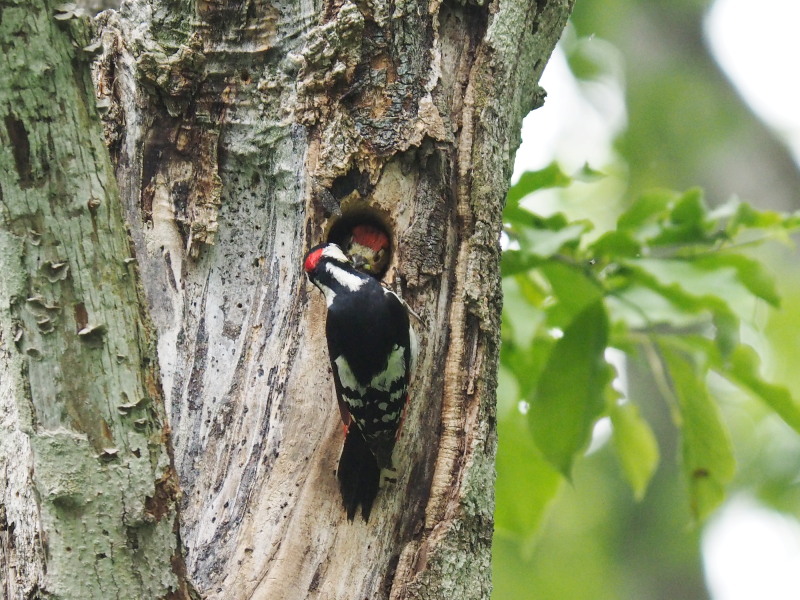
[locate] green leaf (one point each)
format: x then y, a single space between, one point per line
545 243
744 371
750 273
569 396
690 209
573 290
708 461
525 363
615 245
715 288
713 314
687 223
524 350
555 222
514 262
585 62
635 445
649 208
522 317
747 216
726 331
508 393
588 174
531 181
642 307
526 483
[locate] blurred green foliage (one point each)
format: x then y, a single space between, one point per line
648 365
671 286
670 283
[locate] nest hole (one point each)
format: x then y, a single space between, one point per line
341 231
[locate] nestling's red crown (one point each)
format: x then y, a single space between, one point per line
370 236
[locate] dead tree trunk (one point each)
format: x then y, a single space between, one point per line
241 132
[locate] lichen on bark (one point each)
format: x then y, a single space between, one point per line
83 430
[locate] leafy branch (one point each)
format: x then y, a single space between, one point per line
672 284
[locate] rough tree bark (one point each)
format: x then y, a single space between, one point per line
239 133
89 495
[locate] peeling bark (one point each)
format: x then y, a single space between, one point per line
240 132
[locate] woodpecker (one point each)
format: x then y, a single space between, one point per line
372 349
368 249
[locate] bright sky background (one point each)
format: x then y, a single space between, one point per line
570 127
749 552
758 46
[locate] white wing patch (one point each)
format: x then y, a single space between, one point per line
413 342
348 380
395 369
389 384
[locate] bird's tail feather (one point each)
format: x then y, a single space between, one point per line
358 474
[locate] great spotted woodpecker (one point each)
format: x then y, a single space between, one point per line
367 246
372 349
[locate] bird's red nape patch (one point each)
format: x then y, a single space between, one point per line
313 259
370 236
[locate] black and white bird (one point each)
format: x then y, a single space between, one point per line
372 349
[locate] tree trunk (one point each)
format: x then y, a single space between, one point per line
241 133
89 494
